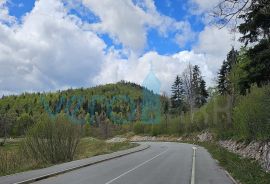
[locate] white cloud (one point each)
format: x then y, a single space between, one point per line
209 52
48 50
127 22
215 43
165 67
185 36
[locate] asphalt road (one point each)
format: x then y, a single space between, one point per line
162 163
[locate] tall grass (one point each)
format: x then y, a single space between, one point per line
13 159
9 161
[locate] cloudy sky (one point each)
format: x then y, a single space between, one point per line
46 45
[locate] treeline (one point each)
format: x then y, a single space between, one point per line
231 109
101 111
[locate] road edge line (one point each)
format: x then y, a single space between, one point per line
192 179
80 166
229 175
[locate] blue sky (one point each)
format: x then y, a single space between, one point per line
176 9
48 45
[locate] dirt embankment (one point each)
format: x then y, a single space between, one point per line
259 151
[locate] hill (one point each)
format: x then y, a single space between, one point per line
118 103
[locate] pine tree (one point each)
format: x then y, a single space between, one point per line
222 78
199 87
177 93
256 29
203 92
256 22
258 69
224 84
232 58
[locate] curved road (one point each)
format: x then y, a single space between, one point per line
162 163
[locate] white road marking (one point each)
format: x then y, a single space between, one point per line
192 180
136 167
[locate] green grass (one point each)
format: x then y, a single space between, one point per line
91 147
247 171
11 146
12 159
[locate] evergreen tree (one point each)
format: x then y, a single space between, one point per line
203 93
224 84
177 97
199 87
259 68
256 29
222 78
232 58
256 22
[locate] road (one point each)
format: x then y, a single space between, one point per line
162 163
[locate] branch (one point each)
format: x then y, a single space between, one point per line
226 10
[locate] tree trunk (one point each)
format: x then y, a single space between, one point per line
166 122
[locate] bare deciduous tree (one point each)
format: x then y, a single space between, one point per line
189 91
229 11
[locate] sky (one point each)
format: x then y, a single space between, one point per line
49 45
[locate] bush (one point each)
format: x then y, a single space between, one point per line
215 115
53 140
138 128
21 124
175 125
87 130
251 115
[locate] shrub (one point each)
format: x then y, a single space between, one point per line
87 130
251 115
175 125
215 115
21 124
53 140
138 128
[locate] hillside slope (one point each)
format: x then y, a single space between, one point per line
120 103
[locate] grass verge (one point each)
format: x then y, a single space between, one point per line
12 159
244 170
89 147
